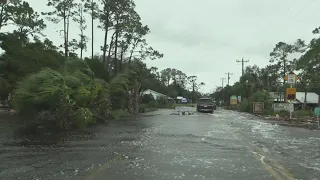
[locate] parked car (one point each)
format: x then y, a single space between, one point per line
205 105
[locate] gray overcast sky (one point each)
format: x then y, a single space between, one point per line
206 38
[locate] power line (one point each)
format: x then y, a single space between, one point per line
242 63
229 74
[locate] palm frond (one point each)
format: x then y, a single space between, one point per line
42 87
119 83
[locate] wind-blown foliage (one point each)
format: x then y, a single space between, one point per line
53 86
50 90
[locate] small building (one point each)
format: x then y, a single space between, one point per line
311 98
277 97
279 104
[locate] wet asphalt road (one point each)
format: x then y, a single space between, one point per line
225 145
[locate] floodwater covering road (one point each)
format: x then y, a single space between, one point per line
225 145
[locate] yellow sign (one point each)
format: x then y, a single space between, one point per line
291 90
233 101
291 93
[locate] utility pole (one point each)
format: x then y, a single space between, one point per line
229 74
222 80
242 62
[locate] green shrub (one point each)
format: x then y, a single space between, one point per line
247 104
244 106
302 113
162 100
83 117
187 105
73 97
147 98
142 108
298 113
171 106
117 114
283 113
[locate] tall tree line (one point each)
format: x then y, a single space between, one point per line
58 85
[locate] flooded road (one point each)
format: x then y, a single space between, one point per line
225 145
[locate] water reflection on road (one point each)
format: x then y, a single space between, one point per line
223 145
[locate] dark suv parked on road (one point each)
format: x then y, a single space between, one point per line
206 105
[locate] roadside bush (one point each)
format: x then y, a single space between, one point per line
247 105
72 97
155 104
244 106
187 105
302 113
298 113
283 113
162 101
171 106
117 114
147 98
142 108
146 108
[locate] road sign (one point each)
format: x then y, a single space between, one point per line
233 100
317 111
291 93
258 107
291 78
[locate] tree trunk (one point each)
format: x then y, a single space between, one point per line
109 52
115 62
121 58
81 37
134 98
92 24
105 38
65 35
132 50
1 15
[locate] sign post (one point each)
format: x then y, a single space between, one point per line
290 108
239 99
317 113
291 79
258 107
